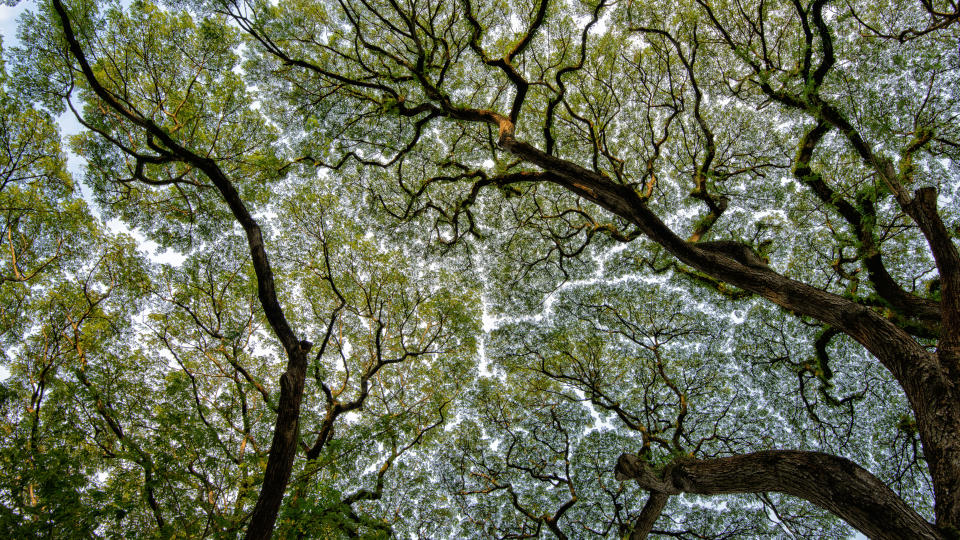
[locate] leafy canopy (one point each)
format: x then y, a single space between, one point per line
480 250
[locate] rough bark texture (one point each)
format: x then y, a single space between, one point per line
833 483
283 449
649 515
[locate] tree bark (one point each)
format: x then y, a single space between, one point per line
833 483
283 448
649 515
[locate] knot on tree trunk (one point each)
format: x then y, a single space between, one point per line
633 467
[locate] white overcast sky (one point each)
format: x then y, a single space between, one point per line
8 21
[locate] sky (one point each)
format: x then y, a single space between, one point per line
8 21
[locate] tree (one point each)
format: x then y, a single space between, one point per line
719 239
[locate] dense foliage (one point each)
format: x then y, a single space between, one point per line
481 268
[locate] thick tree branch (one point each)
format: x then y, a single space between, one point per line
506 62
623 201
833 483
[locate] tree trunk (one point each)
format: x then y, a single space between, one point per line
283 449
649 515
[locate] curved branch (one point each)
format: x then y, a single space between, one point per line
506 63
907 361
833 483
561 88
910 305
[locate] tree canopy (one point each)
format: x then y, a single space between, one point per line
482 268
